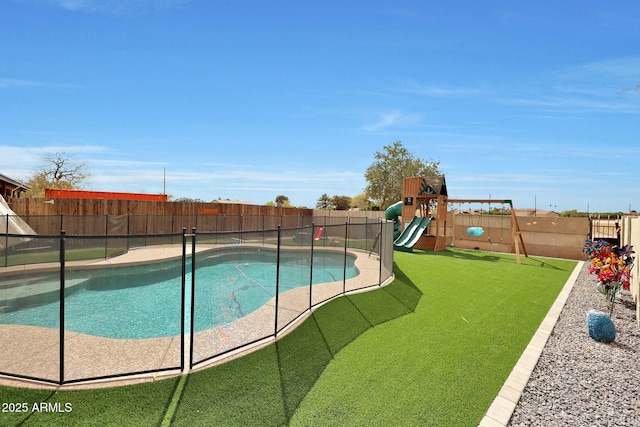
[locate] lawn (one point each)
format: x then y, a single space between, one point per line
444 363
432 348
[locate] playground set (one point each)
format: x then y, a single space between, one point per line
426 201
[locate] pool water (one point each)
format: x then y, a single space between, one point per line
144 301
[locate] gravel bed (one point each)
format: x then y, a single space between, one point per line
582 382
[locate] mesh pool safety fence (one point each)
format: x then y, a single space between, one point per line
75 308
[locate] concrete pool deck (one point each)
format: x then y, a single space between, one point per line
35 351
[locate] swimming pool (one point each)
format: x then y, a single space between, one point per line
144 301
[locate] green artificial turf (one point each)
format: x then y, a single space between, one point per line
444 363
266 387
431 348
133 405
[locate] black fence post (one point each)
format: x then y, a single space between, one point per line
62 296
344 266
193 296
106 235
6 244
325 225
313 233
380 242
366 232
183 295
128 229
277 280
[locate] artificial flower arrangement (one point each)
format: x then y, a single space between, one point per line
612 265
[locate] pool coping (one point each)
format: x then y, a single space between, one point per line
501 410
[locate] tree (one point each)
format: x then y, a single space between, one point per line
38 182
282 201
386 174
58 171
361 201
341 203
187 200
324 202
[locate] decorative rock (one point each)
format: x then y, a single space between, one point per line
577 381
601 327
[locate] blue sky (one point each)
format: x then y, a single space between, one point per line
538 102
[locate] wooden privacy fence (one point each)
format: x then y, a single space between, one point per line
40 206
113 217
543 236
145 224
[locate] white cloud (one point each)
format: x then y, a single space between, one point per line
390 119
385 120
13 154
233 181
8 83
109 172
602 86
108 6
229 172
618 68
415 88
574 104
20 162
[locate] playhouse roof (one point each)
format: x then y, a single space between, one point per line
10 187
433 185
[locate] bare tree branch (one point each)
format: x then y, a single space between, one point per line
58 171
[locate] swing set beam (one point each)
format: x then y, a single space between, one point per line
502 201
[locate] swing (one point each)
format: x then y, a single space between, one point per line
476 231
453 238
452 234
501 230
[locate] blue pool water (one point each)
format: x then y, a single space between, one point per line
144 301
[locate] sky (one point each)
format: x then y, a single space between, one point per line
533 101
